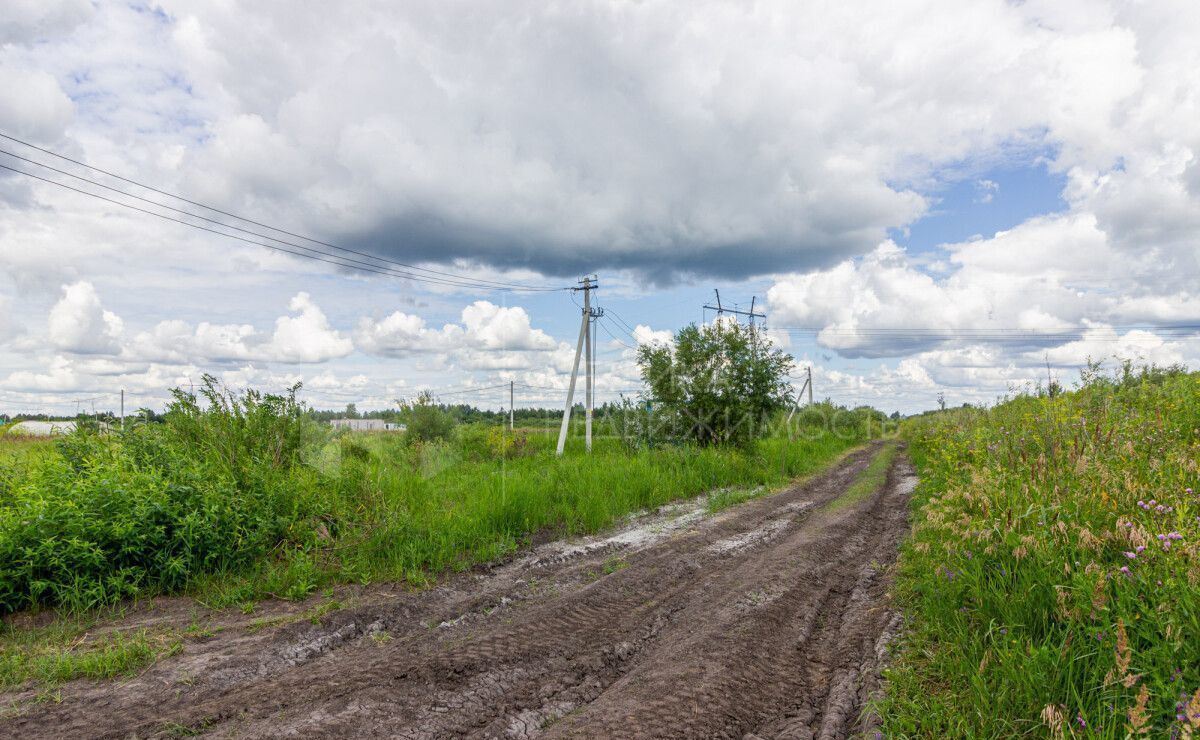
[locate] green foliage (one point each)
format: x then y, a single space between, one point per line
427 421
479 442
1053 577
233 498
214 488
718 383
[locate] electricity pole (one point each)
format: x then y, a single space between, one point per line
122 409
807 385
587 285
511 426
587 373
721 310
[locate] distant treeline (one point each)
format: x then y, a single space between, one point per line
462 413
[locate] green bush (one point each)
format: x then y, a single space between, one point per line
716 384
427 421
212 489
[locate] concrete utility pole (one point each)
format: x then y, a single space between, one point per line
511 426
587 285
122 409
807 385
588 346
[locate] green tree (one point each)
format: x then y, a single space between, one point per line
716 384
426 420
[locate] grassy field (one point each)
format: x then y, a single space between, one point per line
1052 582
246 498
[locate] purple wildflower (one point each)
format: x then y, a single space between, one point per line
1131 555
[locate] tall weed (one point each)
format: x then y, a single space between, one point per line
1053 577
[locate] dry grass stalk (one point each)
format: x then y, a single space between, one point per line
1138 717
1054 718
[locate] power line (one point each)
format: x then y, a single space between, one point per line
998 330
1004 336
617 316
468 391
446 277
317 254
614 337
466 282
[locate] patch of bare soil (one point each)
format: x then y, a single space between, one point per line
765 621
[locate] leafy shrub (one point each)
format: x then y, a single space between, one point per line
505 444
108 516
482 442
427 421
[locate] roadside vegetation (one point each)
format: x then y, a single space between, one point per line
232 498
238 497
1052 582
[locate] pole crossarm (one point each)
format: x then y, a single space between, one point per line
721 309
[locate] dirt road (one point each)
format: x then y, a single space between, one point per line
763 621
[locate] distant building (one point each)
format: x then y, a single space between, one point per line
41 428
367 425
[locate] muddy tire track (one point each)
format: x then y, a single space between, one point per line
764 621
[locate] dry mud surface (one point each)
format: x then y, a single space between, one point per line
764 621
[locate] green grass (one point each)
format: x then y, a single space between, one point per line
868 481
63 651
1041 600
719 501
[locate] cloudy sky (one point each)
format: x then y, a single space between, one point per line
924 196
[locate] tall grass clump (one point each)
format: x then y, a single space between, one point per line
1052 582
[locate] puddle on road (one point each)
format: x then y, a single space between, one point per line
641 531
